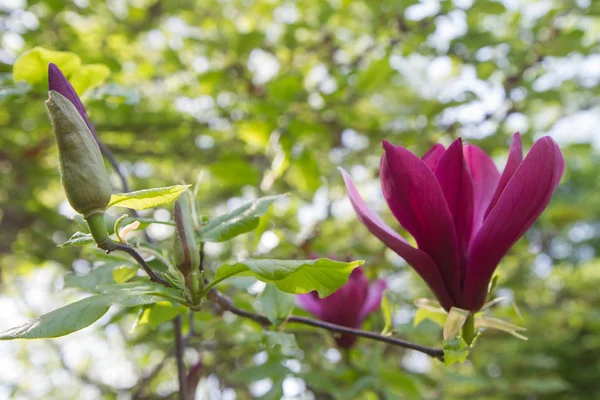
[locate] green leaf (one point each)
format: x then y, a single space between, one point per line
255 133
286 340
455 350
101 275
159 313
124 273
293 276
377 74
78 239
387 313
148 198
271 369
435 317
304 173
89 76
400 381
32 65
276 304
241 220
78 315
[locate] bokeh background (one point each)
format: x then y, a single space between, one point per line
265 97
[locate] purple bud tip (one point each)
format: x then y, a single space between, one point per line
58 83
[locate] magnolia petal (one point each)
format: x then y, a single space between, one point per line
485 177
58 83
525 197
455 180
310 303
419 260
515 158
343 306
373 300
432 157
417 201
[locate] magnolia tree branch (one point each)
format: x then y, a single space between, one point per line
225 303
112 246
179 352
145 380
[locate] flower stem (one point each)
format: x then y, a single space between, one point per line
468 329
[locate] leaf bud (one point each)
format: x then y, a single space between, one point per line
185 249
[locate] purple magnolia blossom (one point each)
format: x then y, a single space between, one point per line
463 214
58 83
348 306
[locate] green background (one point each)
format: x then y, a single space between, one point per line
268 97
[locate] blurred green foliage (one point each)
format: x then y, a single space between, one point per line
268 97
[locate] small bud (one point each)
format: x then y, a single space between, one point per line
58 82
83 173
185 249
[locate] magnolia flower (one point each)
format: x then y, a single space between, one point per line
348 306
463 214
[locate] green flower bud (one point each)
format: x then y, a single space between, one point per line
83 173
185 249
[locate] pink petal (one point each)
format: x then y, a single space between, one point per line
372 301
455 180
416 258
58 83
515 158
417 201
311 303
485 180
525 197
343 306
432 157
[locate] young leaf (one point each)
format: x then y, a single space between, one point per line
272 369
455 350
89 76
79 315
286 340
422 314
78 239
387 313
241 220
431 310
148 198
124 273
456 319
293 276
31 66
276 304
498 324
158 313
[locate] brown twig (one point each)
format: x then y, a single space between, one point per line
144 381
179 353
111 246
226 303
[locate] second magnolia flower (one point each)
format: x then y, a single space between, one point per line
463 214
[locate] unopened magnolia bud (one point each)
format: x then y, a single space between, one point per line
83 173
187 256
